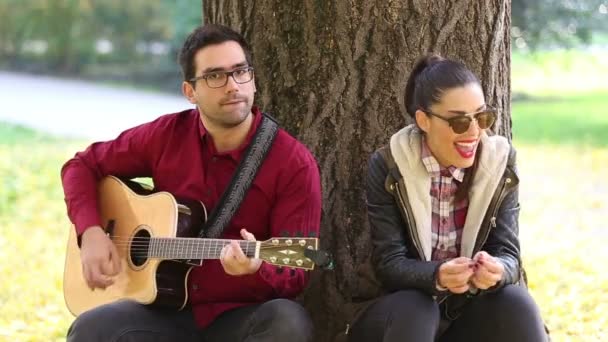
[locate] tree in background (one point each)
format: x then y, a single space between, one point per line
65 26
334 73
110 39
554 23
15 28
72 37
185 16
129 26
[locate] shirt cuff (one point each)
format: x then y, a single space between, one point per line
436 278
266 272
86 220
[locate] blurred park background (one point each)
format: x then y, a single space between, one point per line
104 49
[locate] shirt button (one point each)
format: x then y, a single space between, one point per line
194 287
214 159
208 192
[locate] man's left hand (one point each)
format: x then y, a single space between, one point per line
235 262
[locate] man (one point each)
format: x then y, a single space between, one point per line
193 154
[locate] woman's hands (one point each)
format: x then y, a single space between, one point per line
488 271
457 275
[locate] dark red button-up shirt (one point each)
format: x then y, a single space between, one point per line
176 151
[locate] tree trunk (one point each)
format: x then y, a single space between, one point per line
334 73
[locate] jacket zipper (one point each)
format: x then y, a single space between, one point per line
501 198
410 223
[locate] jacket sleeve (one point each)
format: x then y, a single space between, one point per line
390 258
503 240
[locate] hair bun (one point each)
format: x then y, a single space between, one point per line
421 64
430 59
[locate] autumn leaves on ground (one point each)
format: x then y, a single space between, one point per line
561 135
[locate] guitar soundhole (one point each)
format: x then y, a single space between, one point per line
139 248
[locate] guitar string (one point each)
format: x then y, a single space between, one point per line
199 246
205 250
168 256
187 249
189 242
137 238
145 246
184 240
140 238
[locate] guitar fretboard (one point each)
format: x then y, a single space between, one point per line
195 248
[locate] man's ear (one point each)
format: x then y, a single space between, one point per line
423 120
188 91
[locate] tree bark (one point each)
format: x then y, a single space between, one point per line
334 74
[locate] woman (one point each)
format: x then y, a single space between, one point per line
443 208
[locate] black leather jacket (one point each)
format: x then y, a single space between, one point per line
396 255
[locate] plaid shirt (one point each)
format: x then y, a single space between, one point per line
448 217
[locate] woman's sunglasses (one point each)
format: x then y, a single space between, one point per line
461 123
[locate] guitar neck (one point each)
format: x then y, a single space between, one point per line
196 248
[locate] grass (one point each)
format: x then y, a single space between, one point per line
560 98
34 231
568 119
560 127
559 72
14 134
564 212
563 161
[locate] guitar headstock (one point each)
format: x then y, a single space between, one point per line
289 251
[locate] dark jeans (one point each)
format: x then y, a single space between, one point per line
508 315
127 321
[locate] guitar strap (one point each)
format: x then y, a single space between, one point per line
241 180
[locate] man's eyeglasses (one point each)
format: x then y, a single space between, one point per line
218 79
461 123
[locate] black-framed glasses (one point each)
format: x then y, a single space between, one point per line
461 123
218 79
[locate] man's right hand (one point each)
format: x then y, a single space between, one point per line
99 256
454 274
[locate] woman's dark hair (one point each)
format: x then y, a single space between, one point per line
205 35
431 77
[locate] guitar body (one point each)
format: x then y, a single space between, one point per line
131 214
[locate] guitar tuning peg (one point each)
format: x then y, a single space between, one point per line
279 270
299 233
312 234
292 272
284 233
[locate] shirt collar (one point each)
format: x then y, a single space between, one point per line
434 169
236 153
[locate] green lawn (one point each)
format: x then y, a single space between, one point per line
17 135
563 218
560 98
34 233
559 72
562 139
560 127
568 119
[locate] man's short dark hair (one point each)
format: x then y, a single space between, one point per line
205 35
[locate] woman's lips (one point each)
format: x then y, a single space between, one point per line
466 149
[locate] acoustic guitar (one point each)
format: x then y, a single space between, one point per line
156 238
